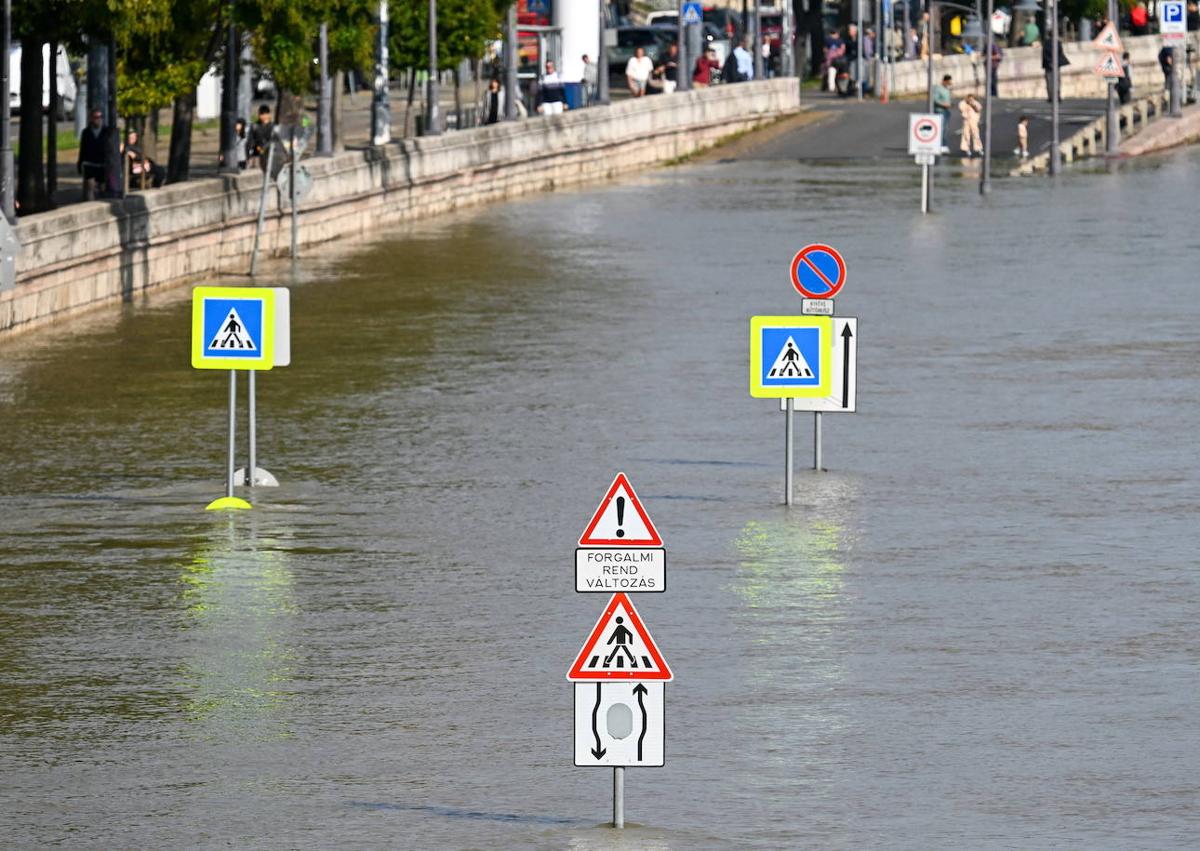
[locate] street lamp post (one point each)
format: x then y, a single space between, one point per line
229 153
7 204
324 95
1055 85
433 119
1112 140
381 111
602 95
858 52
683 78
985 170
511 85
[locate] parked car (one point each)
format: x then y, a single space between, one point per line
657 19
655 40
725 20
66 80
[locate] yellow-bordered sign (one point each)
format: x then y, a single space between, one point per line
233 328
791 356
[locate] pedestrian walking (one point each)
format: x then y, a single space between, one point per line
744 60
1139 19
93 155
942 101
706 65
260 138
637 72
1125 83
590 81
667 74
1166 61
997 57
972 143
1022 149
1048 68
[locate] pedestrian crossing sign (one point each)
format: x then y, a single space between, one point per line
619 648
233 328
791 356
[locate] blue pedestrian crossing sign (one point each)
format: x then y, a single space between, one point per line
234 328
692 13
791 356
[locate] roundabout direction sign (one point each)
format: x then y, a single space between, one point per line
818 271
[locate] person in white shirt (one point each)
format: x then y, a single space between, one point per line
590 79
637 72
744 59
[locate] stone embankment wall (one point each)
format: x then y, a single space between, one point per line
1021 73
101 252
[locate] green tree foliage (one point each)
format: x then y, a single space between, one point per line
163 49
285 36
464 27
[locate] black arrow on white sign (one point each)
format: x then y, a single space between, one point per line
640 691
846 335
597 751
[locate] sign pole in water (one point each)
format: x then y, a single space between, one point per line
237 328
808 362
924 144
619 673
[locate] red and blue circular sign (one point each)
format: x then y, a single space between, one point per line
818 271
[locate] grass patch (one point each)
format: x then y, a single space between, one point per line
68 141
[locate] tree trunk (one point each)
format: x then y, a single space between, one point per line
458 117
151 140
291 108
412 93
813 25
31 170
52 127
180 157
339 143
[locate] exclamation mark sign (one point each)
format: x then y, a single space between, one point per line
620 516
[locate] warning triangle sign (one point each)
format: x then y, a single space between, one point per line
790 363
619 648
1108 39
620 521
1110 67
232 335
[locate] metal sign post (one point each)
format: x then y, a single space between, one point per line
240 328
807 362
619 797
292 191
924 144
262 203
789 450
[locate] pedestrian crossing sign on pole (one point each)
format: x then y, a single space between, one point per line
693 13
791 357
237 328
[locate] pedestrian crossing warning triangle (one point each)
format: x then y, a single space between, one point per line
790 363
1108 39
1110 67
232 335
619 648
620 521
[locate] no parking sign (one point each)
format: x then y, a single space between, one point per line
924 133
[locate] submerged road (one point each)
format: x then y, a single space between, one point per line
978 629
846 129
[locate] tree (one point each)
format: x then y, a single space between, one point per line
164 48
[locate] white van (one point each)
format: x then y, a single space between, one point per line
66 80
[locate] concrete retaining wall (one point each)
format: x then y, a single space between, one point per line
1021 74
96 253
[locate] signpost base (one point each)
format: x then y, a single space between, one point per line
619 798
228 503
788 452
817 441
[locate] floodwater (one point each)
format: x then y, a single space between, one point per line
979 629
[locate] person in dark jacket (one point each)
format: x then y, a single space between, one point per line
260 138
1125 83
1048 67
1166 61
93 154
